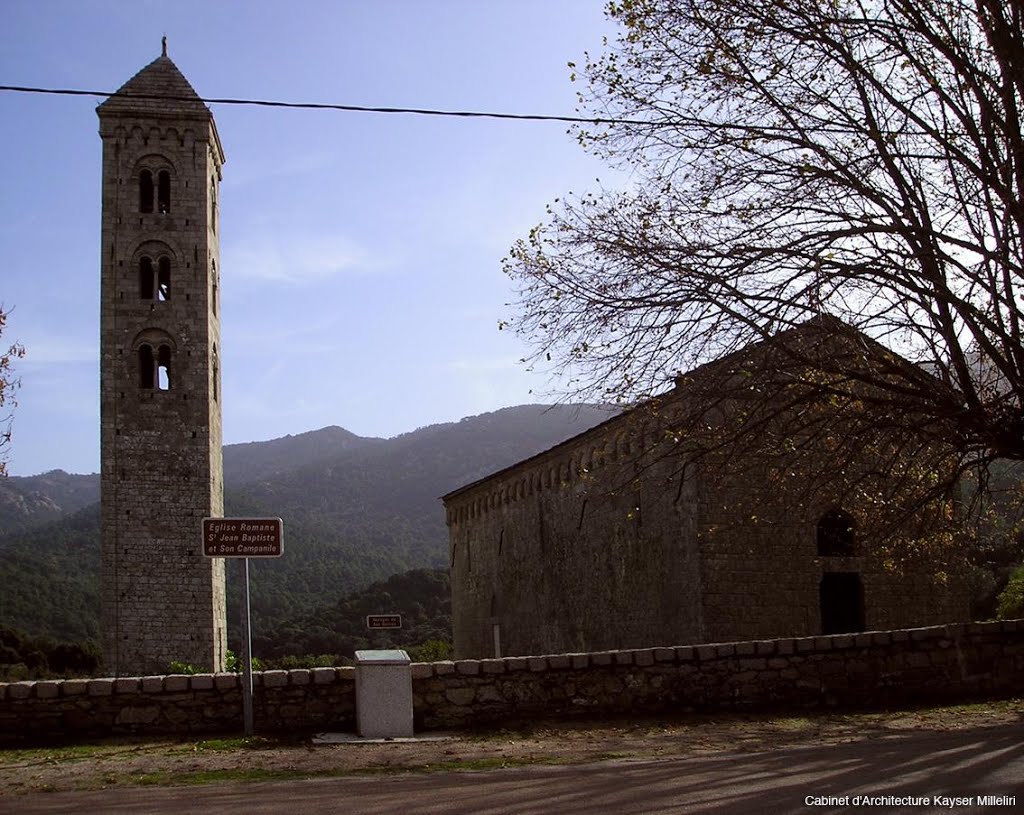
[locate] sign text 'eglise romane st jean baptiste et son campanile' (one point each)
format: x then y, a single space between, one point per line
162 466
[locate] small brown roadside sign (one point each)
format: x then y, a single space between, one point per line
243 537
383 621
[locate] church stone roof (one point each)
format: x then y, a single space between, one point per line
159 89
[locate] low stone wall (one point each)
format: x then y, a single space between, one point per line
937 664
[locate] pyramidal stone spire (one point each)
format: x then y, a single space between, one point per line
159 89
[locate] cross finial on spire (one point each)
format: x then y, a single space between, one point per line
163 44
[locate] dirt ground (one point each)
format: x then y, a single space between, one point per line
164 762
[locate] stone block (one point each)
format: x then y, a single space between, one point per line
20 690
705 652
559 662
201 682
765 647
176 682
47 690
685 653
824 643
460 696
74 687
225 681
725 649
665 654
128 684
537 664
101 687
784 647
137 715
275 679
580 661
346 673
745 649
492 666
623 657
152 684
324 676
516 664
422 670
863 640
602 658
881 638
444 668
643 657
299 676
467 667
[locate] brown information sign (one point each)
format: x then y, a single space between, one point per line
384 621
243 537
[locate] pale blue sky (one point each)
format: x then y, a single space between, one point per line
361 253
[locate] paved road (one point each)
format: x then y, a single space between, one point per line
970 763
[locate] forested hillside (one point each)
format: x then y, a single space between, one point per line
355 510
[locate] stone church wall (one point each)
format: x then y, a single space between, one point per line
590 546
953 663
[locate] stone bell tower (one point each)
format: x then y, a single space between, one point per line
160 411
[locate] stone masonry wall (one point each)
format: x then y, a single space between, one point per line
162 468
911 666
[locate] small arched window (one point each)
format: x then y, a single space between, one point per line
213 204
145 191
146 278
835 534
163 368
216 372
147 370
163 191
155 283
163 284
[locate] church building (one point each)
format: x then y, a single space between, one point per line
651 529
161 463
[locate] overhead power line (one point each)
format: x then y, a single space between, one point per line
266 103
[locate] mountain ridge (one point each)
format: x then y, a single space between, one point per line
357 510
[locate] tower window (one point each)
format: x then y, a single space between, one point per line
835 534
163 286
147 372
145 191
163 191
155 368
146 278
163 368
155 283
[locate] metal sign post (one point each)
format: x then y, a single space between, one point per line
244 538
246 655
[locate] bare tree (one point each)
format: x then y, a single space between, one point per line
8 385
794 159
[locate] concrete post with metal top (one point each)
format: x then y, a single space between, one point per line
383 694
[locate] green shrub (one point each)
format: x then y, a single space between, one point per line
1011 599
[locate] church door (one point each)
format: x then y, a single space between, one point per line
842 603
